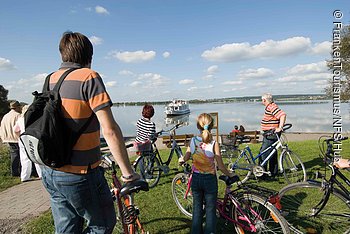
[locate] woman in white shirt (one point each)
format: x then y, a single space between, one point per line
26 164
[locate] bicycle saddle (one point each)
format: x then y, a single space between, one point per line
134 186
229 180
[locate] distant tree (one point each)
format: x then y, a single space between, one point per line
4 104
345 60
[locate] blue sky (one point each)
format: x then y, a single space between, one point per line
160 50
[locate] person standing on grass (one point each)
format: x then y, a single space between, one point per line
26 164
204 152
274 119
79 192
8 136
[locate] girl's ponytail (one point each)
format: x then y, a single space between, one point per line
205 124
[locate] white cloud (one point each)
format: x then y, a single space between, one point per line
40 77
305 77
267 49
323 48
213 69
319 67
166 54
6 65
232 82
96 40
111 83
186 81
259 73
208 77
260 84
321 82
195 88
101 10
136 84
125 73
153 80
135 56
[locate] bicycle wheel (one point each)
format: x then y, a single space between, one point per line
264 217
178 189
242 167
148 167
298 204
293 168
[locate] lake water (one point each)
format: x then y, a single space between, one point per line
311 117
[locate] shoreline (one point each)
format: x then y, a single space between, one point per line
291 137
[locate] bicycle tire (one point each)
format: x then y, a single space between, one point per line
242 167
263 215
293 168
178 189
298 199
151 172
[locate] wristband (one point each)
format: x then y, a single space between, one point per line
128 177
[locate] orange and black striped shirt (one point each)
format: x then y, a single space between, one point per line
82 93
272 116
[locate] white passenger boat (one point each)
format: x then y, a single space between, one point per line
177 107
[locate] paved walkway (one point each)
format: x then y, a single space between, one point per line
20 203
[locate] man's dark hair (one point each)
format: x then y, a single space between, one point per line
148 111
75 47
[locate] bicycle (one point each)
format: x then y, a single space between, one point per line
127 212
150 164
314 206
241 208
290 163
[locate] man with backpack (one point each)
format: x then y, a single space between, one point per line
79 190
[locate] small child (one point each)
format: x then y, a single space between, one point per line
204 150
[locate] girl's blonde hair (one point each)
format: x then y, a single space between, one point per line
205 124
24 110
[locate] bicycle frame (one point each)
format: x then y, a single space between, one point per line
128 200
220 204
174 148
221 208
247 153
328 188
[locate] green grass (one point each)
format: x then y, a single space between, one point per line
6 180
159 213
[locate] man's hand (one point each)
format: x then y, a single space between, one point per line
278 129
129 178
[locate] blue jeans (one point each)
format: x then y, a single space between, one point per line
204 190
79 197
273 161
15 159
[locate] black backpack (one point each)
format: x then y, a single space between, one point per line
46 139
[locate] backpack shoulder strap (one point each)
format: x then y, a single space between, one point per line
60 81
46 86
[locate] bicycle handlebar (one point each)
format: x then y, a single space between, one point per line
272 131
336 140
169 130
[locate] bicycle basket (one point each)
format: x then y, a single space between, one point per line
143 146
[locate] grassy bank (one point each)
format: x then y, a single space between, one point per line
159 213
6 180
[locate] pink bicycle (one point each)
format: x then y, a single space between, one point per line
245 210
